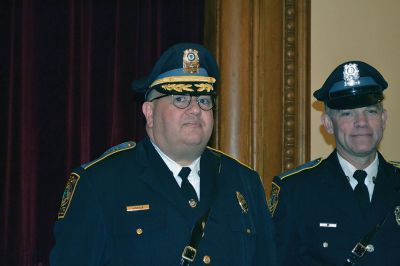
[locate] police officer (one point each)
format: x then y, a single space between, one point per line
345 209
170 199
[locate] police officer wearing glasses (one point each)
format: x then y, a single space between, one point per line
169 199
345 209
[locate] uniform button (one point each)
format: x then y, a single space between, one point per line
325 244
248 231
139 231
370 248
206 259
192 203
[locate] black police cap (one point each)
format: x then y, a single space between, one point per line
185 68
352 84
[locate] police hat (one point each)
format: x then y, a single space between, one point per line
185 68
352 85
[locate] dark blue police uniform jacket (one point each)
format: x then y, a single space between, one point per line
318 221
95 228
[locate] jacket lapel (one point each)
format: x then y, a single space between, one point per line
339 188
210 164
385 191
158 176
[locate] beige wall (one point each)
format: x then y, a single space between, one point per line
366 30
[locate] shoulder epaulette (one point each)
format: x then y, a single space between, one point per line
301 168
218 152
396 164
115 149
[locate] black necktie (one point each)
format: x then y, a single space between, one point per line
187 188
361 190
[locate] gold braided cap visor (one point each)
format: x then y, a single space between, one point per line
186 79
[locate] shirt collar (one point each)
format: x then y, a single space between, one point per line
349 169
174 167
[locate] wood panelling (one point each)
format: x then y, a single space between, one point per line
262 47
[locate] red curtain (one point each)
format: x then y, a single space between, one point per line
65 73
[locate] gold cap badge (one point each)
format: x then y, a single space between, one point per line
191 61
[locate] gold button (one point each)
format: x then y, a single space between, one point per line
206 259
248 231
139 231
192 203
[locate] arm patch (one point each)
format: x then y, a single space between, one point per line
68 194
274 198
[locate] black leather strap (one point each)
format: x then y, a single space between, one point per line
361 247
190 251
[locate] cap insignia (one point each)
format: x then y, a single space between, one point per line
397 214
351 75
191 61
242 202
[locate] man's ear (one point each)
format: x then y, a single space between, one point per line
147 109
384 118
326 120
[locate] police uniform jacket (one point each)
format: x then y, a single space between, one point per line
318 221
127 209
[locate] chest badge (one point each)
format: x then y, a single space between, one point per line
397 214
242 202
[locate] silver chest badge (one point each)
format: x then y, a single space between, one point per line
351 75
397 214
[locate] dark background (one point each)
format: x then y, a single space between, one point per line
65 73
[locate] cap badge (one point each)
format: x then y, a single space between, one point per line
397 214
242 202
351 75
191 61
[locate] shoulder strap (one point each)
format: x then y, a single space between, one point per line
364 244
190 251
361 247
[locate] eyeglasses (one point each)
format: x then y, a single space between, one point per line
205 102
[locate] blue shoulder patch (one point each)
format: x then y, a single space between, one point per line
301 168
117 148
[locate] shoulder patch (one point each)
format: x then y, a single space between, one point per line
274 198
301 168
68 194
115 149
227 155
396 164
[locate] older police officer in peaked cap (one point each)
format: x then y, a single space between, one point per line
169 199
345 209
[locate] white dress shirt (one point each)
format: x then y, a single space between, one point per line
194 176
372 171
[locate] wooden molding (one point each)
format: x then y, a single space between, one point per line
262 47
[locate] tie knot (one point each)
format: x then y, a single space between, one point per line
184 173
360 175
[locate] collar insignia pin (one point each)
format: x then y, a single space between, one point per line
397 214
351 75
242 202
191 61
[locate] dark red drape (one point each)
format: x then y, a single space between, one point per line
65 72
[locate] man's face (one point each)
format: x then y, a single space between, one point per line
178 132
357 131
